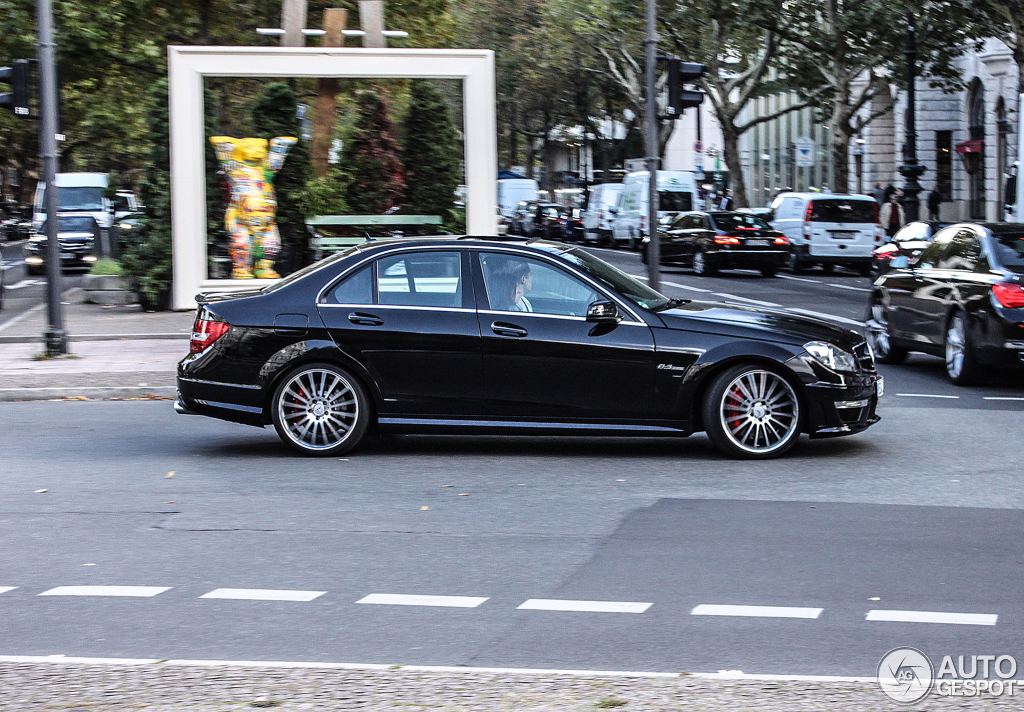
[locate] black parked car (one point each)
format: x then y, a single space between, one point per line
910 240
962 299
716 240
77 236
546 221
476 335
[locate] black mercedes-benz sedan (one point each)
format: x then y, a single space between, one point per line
962 299
485 335
721 239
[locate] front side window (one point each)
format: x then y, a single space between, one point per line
522 284
422 279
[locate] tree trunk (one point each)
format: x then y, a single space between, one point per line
327 96
731 154
840 132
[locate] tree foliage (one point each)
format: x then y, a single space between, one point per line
430 153
371 157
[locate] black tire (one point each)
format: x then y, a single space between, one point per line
828 268
769 271
634 243
880 336
796 265
864 270
750 404
308 391
701 268
961 365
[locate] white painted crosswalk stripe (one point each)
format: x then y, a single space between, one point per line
756 611
398 599
138 591
5 589
932 617
263 594
547 604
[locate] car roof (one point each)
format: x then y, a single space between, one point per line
549 246
825 196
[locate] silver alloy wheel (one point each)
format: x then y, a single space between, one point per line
318 409
699 265
956 342
878 329
759 411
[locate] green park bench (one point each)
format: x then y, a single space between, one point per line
324 244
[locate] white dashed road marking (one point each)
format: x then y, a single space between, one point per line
798 279
756 611
932 617
848 286
686 286
398 599
139 591
547 604
924 395
744 299
1002 398
262 594
5 589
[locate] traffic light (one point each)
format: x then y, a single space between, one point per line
18 99
679 98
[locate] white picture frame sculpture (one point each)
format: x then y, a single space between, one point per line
187 67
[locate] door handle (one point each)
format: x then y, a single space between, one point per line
502 329
364 319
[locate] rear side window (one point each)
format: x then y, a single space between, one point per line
837 210
1009 249
676 202
425 279
355 289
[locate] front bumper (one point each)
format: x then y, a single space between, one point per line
835 410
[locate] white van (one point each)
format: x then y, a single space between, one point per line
80 193
677 193
513 190
598 217
828 229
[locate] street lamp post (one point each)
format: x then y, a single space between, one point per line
910 169
651 131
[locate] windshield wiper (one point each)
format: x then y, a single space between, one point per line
672 303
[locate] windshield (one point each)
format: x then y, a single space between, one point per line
80 198
674 201
631 289
1009 250
71 223
739 221
837 210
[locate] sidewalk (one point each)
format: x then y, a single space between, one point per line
116 352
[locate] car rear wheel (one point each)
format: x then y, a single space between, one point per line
769 271
961 367
752 413
827 268
320 409
879 336
796 265
701 267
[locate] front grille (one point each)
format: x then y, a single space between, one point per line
862 352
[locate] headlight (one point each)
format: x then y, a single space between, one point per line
831 356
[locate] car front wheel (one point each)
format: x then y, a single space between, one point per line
961 366
320 409
701 267
752 413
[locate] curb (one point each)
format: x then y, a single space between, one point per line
94 337
86 393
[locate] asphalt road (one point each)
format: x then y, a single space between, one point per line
919 517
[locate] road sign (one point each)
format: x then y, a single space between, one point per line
804 152
698 147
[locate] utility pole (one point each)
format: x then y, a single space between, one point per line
651 136
335 20
56 337
910 169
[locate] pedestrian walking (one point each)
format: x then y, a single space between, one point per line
934 200
892 215
878 194
886 192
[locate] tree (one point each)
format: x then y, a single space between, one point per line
370 156
430 153
275 115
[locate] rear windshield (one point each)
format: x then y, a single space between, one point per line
739 221
843 211
1010 251
675 201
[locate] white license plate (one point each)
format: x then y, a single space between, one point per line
880 386
759 243
842 235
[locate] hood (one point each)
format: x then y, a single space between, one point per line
751 322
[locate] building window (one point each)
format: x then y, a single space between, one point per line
1002 159
944 164
976 129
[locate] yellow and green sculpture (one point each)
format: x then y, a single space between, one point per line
249 220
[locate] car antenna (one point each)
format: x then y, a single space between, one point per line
368 238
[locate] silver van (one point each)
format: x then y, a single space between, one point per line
828 229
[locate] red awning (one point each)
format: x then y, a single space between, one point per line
975 146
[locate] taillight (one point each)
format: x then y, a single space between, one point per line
726 240
878 219
206 331
807 220
781 241
1009 294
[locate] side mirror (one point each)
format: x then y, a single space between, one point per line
603 312
900 262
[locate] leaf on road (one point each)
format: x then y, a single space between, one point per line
88 564
463 494
41 491
424 509
447 485
169 474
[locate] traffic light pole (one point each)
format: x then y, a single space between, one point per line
56 337
651 135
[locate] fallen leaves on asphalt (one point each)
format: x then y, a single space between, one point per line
169 474
424 509
41 491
